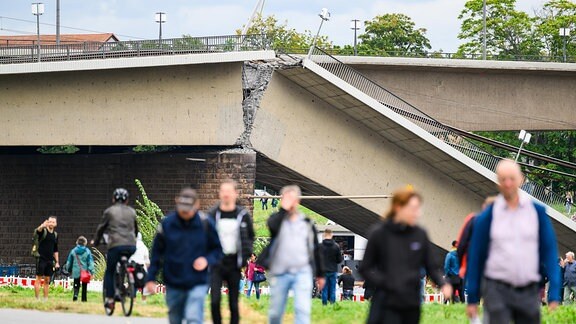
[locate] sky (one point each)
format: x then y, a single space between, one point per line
134 19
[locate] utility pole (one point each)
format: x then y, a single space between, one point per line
484 30
354 26
57 22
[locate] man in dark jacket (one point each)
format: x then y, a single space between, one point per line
236 233
295 258
332 257
185 244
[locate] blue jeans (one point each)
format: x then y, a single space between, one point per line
301 284
329 291
112 258
256 286
187 305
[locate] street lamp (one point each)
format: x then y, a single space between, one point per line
325 16
524 136
37 10
354 26
564 33
160 18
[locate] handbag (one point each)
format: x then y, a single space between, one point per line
85 275
259 277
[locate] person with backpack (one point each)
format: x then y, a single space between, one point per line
141 259
397 251
185 246
464 236
332 257
45 250
293 258
510 279
236 233
80 259
452 274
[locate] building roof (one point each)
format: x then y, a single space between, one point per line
14 40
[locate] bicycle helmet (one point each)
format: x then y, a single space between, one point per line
120 195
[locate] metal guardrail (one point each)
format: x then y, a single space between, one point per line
441 55
98 50
424 121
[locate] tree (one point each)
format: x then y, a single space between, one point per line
509 32
280 37
556 14
393 34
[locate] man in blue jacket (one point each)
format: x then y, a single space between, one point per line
186 244
513 247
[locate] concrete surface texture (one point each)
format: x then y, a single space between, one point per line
183 105
480 95
19 316
304 133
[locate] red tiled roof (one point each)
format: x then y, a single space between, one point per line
51 39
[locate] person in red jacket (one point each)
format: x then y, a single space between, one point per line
251 268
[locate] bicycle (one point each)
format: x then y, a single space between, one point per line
124 287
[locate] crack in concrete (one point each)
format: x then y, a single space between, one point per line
256 77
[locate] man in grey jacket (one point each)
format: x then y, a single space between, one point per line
120 227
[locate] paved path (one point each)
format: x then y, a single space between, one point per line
18 316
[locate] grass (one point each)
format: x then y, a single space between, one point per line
260 216
251 310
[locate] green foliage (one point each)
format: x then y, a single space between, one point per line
99 264
509 32
260 243
153 148
148 216
393 34
553 15
188 43
281 37
58 149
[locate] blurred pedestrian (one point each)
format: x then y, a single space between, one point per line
332 257
236 233
294 258
264 201
185 246
251 276
569 266
396 251
80 258
511 277
568 201
142 260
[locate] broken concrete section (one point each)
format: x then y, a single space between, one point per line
256 77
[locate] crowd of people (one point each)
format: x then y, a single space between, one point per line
200 252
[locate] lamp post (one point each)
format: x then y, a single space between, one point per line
524 136
354 26
160 18
37 10
564 33
484 30
57 22
324 16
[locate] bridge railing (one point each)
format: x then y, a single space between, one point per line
424 121
28 53
440 55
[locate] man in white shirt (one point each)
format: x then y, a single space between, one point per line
236 233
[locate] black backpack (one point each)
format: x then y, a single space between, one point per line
37 239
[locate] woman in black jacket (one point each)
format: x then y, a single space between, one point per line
396 252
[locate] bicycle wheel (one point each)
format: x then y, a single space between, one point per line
126 286
108 311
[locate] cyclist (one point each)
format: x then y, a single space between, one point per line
119 229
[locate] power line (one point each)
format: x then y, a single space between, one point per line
67 27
